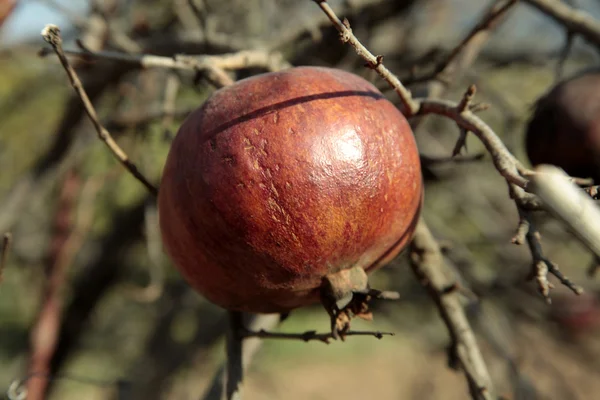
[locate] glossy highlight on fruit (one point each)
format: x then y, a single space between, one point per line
283 179
565 128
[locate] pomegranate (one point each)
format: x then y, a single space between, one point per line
565 127
286 188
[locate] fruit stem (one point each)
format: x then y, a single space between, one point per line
346 294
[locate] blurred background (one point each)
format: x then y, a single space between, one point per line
86 250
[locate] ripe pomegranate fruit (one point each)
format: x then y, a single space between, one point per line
286 188
565 127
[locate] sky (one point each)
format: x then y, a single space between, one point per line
30 17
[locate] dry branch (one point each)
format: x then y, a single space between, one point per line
231 61
311 335
429 267
569 203
575 21
477 34
51 34
249 347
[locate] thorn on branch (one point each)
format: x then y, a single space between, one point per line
346 34
377 63
461 143
542 266
522 230
6 244
465 102
346 23
452 288
478 107
594 267
593 191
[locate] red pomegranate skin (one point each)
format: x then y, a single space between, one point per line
283 178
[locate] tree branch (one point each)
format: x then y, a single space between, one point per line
231 61
249 348
575 21
51 34
490 20
428 266
310 335
569 203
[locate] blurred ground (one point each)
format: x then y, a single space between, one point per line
161 345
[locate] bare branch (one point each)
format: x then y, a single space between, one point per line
573 20
311 335
51 34
250 347
508 166
430 160
489 21
428 265
374 62
542 266
232 61
569 204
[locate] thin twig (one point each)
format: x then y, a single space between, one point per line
429 267
489 21
51 34
232 61
311 335
374 62
6 244
542 266
575 21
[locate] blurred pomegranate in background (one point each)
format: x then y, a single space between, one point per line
576 315
565 127
286 188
